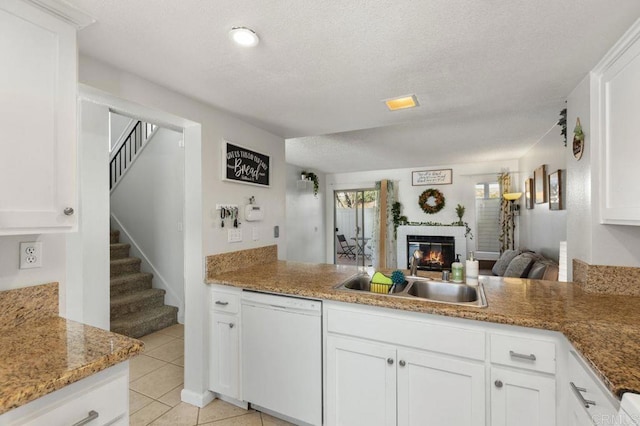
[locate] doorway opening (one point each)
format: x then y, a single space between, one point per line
354 212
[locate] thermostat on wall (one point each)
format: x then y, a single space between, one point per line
253 213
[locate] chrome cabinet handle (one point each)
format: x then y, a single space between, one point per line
498 383
390 361
530 357
578 392
231 325
218 302
68 211
402 363
92 415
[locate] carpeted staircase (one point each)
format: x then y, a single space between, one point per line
137 309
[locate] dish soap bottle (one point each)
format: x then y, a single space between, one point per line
456 270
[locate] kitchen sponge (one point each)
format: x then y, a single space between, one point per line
380 278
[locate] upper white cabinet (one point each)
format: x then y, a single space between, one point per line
38 80
615 97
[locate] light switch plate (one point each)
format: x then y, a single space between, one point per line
256 233
234 235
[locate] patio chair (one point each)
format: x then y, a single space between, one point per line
346 249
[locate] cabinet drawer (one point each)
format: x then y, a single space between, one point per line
587 386
420 334
521 352
108 399
222 301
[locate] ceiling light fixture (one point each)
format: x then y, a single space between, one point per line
402 102
244 36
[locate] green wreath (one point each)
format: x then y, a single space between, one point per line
423 201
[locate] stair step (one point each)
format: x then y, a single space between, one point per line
138 301
114 237
140 324
130 283
119 250
124 266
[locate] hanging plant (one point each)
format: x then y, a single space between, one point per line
397 217
431 201
562 122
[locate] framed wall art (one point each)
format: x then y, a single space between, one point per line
556 201
540 184
243 165
432 177
528 193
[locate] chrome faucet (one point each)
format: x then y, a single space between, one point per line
415 259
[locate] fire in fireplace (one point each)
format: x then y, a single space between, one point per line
438 252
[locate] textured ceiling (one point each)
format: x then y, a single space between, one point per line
491 75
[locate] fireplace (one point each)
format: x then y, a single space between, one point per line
438 252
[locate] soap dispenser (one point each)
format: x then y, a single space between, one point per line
456 270
472 268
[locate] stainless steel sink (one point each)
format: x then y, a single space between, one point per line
424 288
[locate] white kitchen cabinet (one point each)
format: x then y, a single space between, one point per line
615 97
224 342
38 80
361 382
399 373
103 396
522 398
437 390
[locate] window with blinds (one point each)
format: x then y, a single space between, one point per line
488 217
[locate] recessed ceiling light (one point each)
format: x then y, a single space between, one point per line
402 102
244 36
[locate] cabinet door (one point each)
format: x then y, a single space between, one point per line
38 120
224 355
523 399
616 100
361 383
578 416
436 390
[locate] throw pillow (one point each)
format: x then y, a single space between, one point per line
503 262
520 265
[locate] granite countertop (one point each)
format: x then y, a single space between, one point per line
41 352
604 328
43 356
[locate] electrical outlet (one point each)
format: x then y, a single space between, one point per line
31 255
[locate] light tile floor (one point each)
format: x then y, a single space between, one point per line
155 384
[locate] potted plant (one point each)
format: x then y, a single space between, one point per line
313 178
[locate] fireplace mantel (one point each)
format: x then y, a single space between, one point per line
446 231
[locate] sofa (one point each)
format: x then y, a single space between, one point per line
525 264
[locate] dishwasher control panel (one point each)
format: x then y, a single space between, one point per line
280 301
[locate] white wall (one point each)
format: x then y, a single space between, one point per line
541 229
148 203
53 261
305 219
117 125
461 191
215 126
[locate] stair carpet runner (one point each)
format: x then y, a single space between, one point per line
137 309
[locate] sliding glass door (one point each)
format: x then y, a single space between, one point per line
353 217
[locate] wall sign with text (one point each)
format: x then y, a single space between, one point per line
244 165
432 177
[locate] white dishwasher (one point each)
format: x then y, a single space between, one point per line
282 355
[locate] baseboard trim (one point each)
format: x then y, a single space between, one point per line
196 398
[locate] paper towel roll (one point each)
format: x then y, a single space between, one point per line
472 268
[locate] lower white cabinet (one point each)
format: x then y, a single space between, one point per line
224 342
375 383
101 399
361 382
438 390
522 398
